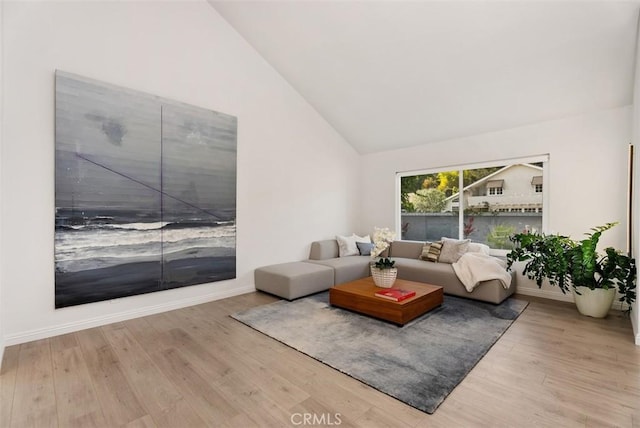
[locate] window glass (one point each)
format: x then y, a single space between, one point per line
430 206
495 202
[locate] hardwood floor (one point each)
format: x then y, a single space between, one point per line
198 367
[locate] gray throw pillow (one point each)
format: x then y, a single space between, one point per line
365 248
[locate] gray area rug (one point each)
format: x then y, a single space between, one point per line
418 364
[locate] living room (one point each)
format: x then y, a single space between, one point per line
299 179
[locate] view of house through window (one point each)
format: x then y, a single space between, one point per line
494 203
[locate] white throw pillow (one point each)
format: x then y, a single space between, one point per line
347 246
452 249
476 247
365 238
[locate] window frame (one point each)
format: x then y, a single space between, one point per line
543 158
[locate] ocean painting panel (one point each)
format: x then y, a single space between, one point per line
108 234
199 195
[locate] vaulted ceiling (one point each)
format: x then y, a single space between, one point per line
392 74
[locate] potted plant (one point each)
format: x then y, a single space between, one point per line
566 263
383 271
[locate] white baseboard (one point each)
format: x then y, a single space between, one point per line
635 326
43 333
545 294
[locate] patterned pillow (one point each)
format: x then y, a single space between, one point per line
453 249
431 251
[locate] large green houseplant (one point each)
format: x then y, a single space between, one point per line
576 265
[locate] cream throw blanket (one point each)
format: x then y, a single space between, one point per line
472 268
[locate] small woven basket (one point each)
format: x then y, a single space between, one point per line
384 277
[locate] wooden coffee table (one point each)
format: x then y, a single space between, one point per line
359 296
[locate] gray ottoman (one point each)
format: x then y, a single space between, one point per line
293 280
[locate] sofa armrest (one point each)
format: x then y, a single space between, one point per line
322 250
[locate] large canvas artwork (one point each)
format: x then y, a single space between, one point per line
145 193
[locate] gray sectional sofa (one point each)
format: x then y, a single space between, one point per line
297 279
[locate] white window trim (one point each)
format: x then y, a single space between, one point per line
546 167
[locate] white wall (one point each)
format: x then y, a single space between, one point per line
587 173
635 227
297 178
1 135
635 313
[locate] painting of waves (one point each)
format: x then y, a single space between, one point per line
145 193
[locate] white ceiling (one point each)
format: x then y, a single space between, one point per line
395 74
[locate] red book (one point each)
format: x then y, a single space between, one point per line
395 294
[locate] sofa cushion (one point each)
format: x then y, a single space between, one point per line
452 249
326 249
418 270
406 249
347 269
294 279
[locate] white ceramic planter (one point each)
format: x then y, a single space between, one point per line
384 277
594 303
